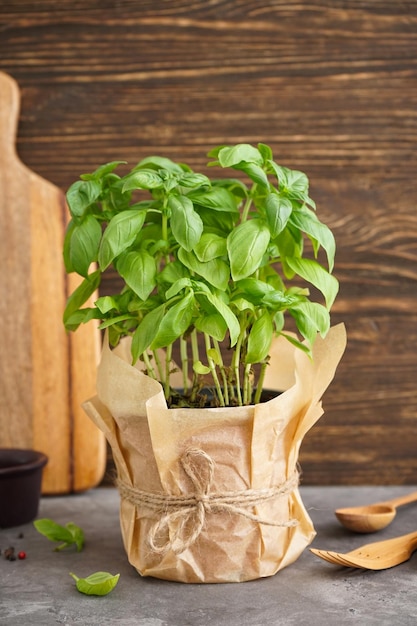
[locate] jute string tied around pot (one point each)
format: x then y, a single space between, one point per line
189 511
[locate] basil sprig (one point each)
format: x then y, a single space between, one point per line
68 535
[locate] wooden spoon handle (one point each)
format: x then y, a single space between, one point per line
411 497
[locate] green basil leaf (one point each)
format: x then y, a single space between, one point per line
178 286
201 369
254 289
120 233
69 534
146 332
116 320
231 156
306 220
311 318
210 247
139 271
193 179
298 344
142 179
278 210
77 534
84 244
265 151
255 173
82 316
175 322
103 170
218 222
97 584
66 248
159 163
214 325
81 195
172 272
296 184
81 294
315 274
259 340
187 226
227 314
106 304
215 272
217 198
246 245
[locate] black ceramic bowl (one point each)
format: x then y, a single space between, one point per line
20 485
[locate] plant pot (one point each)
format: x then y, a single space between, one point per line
20 485
211 495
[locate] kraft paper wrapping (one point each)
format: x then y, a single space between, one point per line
234 454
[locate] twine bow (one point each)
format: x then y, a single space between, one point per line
187 513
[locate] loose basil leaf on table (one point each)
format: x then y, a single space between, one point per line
97 584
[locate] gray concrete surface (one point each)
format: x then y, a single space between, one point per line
39 590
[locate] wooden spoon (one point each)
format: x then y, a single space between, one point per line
373 517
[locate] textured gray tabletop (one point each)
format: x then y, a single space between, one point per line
39 590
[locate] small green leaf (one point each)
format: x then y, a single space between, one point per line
120 233
246 245
231 156
142 179
172 272
193 179
201 369
315 274
81 294
227 314
159 163
84 244
306 220
175 322
213 325
106 304
187 226
146 332
278 210
81 195
97 584
255 173
215 356
259 340
311 318
77 533
139 271
103 170
217 198
69 534
210 247
216 271
179 285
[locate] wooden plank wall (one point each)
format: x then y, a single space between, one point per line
331 85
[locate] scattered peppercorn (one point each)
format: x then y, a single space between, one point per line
9 554
22 555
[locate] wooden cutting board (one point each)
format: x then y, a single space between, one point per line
45 373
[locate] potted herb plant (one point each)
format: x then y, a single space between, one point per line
211 269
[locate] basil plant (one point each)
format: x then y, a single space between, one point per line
210 267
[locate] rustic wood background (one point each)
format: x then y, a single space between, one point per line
331 85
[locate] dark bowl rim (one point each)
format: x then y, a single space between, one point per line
35 460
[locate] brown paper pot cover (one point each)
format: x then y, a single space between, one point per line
211 495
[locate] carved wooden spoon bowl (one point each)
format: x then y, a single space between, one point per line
373 517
